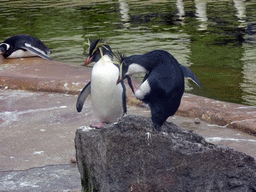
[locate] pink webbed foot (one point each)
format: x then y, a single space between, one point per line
98 125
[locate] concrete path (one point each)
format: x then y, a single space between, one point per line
37 139
37 129
47 178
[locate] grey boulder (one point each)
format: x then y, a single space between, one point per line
131 156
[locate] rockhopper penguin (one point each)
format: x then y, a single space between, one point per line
163 84
108 98
24 46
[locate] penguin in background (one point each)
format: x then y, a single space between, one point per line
108 98
24 46
163 85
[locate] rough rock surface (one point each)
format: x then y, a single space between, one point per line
130 156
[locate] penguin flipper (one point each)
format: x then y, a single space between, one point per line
36 51
83 96
124 98
189 74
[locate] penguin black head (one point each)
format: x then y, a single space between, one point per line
97 50
132 65
4 47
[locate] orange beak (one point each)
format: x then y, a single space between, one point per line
88 60
118 80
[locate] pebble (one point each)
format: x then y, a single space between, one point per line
73 160
197 121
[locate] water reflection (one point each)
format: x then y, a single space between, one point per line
124 10
181 11
240 6
201 14
216 39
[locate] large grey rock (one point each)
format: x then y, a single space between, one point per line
130 156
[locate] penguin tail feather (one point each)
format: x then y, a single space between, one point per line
189 74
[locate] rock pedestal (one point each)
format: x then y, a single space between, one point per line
131 156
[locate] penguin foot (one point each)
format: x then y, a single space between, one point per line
98 125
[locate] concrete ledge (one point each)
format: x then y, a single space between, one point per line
36 74
224 114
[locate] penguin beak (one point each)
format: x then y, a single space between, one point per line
118 80
88 60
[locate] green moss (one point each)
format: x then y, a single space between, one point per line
89 183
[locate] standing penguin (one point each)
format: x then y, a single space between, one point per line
24 46
163 84
108 98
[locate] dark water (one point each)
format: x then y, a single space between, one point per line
216 39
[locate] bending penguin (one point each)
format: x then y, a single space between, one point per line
108 98
24 46
163 84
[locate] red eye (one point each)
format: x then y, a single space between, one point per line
97 51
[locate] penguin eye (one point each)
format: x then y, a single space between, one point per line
97 51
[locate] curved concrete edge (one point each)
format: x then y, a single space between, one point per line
221 113
44 85
36 74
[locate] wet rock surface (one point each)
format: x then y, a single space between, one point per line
47 178
130 156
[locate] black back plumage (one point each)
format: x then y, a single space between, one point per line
20 42
166 80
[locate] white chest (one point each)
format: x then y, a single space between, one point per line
104 76
20 53
106 96
143 90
